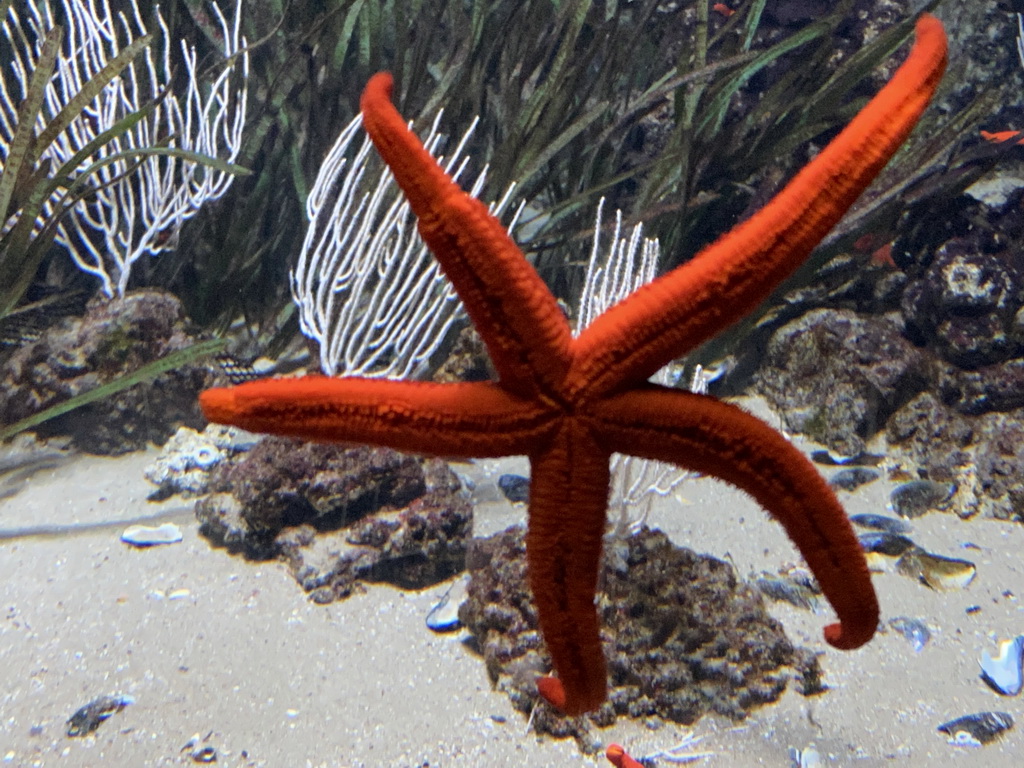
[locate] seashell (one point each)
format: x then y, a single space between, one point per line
515 487
788 590
1005 673
915 630
148 536
204 755
88 718
881 523
444 616
853 477
977 729
863 459
936 571
808 757
917 497
882 543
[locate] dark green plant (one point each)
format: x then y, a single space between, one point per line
565 89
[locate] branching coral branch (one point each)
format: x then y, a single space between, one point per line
137 202
368 290
612 274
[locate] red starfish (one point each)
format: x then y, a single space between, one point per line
569 403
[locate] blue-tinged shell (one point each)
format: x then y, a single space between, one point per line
150 536
977 729
785 589
862 459
808 757
882 543
881 523
1005 673
515 487
915 630
936 571
444 616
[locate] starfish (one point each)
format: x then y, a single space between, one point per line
569 403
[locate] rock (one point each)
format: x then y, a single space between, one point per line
187 459
112 339
340 516
837 376
981 454
964 305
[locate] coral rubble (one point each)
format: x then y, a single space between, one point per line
339 516
683 635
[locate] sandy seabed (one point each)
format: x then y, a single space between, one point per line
210 645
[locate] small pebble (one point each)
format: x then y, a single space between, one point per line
918 497
515 487
88 718
853 477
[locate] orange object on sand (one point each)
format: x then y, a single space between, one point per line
618 757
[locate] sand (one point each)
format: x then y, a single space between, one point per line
212 646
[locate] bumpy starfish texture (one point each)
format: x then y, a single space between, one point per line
569 403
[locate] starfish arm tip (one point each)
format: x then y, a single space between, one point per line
552 691
218 404
379 86
849 636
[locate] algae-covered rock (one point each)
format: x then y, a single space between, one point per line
683 635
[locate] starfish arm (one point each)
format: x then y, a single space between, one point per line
568 506
463 419
728 279
525 331
716 438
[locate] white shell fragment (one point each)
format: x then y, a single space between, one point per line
444 617
809 757
148 536
1004 673
915 630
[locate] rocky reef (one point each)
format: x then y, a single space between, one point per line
112 339
339 516
683 635
928 351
